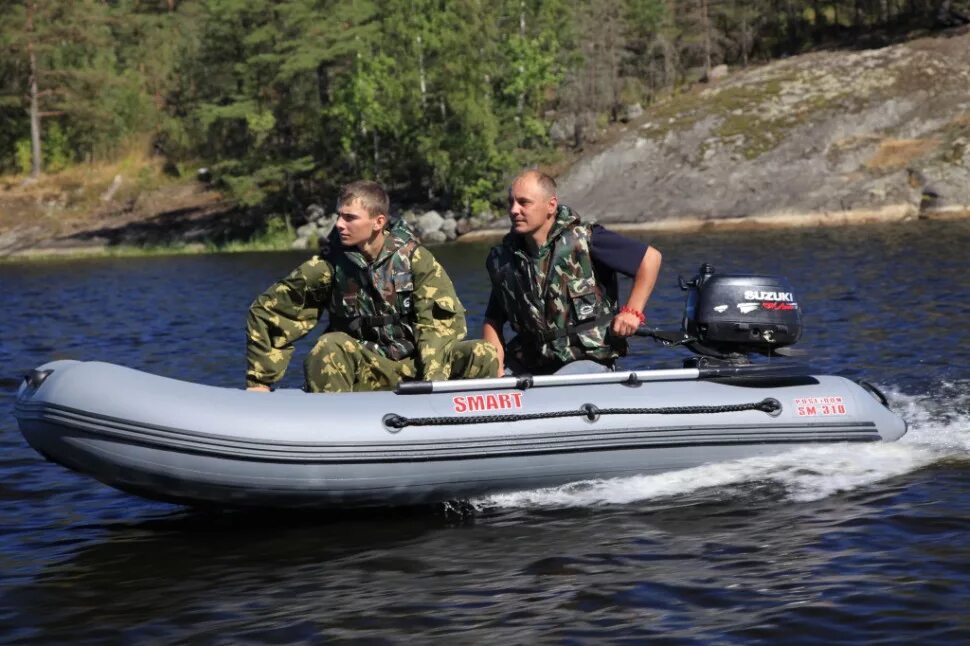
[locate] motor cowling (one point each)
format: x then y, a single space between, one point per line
732 315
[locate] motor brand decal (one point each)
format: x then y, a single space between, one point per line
820 406
755 295
779 306
747 308
474 403
720 308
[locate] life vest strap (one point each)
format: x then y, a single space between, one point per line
551 335
359 323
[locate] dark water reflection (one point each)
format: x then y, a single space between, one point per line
869 547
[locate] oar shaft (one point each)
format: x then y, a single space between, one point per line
763 371
503 383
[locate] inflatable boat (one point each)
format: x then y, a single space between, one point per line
200 445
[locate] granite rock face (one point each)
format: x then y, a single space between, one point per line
821 133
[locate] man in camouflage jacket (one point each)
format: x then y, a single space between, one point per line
554 281
394 314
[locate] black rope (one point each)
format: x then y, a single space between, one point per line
589 411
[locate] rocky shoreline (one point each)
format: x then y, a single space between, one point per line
887 215
431 226
436 229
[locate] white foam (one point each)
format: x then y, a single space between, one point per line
939 428
939 420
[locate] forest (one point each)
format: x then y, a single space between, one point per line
285 100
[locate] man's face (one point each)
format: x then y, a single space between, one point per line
355 225
530 208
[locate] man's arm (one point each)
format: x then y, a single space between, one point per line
492 332
626 322
629 257
439 315
278 317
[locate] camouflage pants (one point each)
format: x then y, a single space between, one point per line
339 363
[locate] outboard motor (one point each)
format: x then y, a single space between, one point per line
727 317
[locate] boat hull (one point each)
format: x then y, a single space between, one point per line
187 443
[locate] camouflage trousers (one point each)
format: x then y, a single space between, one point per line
339 363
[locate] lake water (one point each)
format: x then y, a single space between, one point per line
846 544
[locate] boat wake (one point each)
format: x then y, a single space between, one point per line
939 430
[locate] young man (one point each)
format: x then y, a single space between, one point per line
554 281
394 314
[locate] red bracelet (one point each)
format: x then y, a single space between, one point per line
630 310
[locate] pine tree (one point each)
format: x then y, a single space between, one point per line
68 72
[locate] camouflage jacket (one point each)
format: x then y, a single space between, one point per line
374 302
401 305
553 300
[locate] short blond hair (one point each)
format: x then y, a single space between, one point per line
372 197
545 182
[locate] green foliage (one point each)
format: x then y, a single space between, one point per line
532 63
57 153
24 155
287 99
275 236
646 16
364 110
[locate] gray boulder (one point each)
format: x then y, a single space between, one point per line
631 112
464 225
717 73
428 223
315 212
325 226
563 130
306 230
433 237
449 227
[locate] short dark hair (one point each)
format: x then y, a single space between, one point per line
372 196
545 182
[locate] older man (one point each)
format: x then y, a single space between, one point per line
554 281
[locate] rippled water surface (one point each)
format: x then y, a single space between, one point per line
860 544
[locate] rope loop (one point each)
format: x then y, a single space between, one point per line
591 412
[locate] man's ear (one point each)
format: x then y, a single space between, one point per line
380 221
553 204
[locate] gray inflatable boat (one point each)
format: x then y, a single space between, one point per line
188 443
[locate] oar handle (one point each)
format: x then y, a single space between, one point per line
667 337
759 371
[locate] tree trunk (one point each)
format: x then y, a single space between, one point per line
35 151
377 154
706 22
745 38
422 80
520 100
790 14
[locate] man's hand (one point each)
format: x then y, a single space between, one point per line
625 324
492 332
631 315
262 389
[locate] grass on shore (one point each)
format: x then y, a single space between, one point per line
276 236
85 187
94 192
